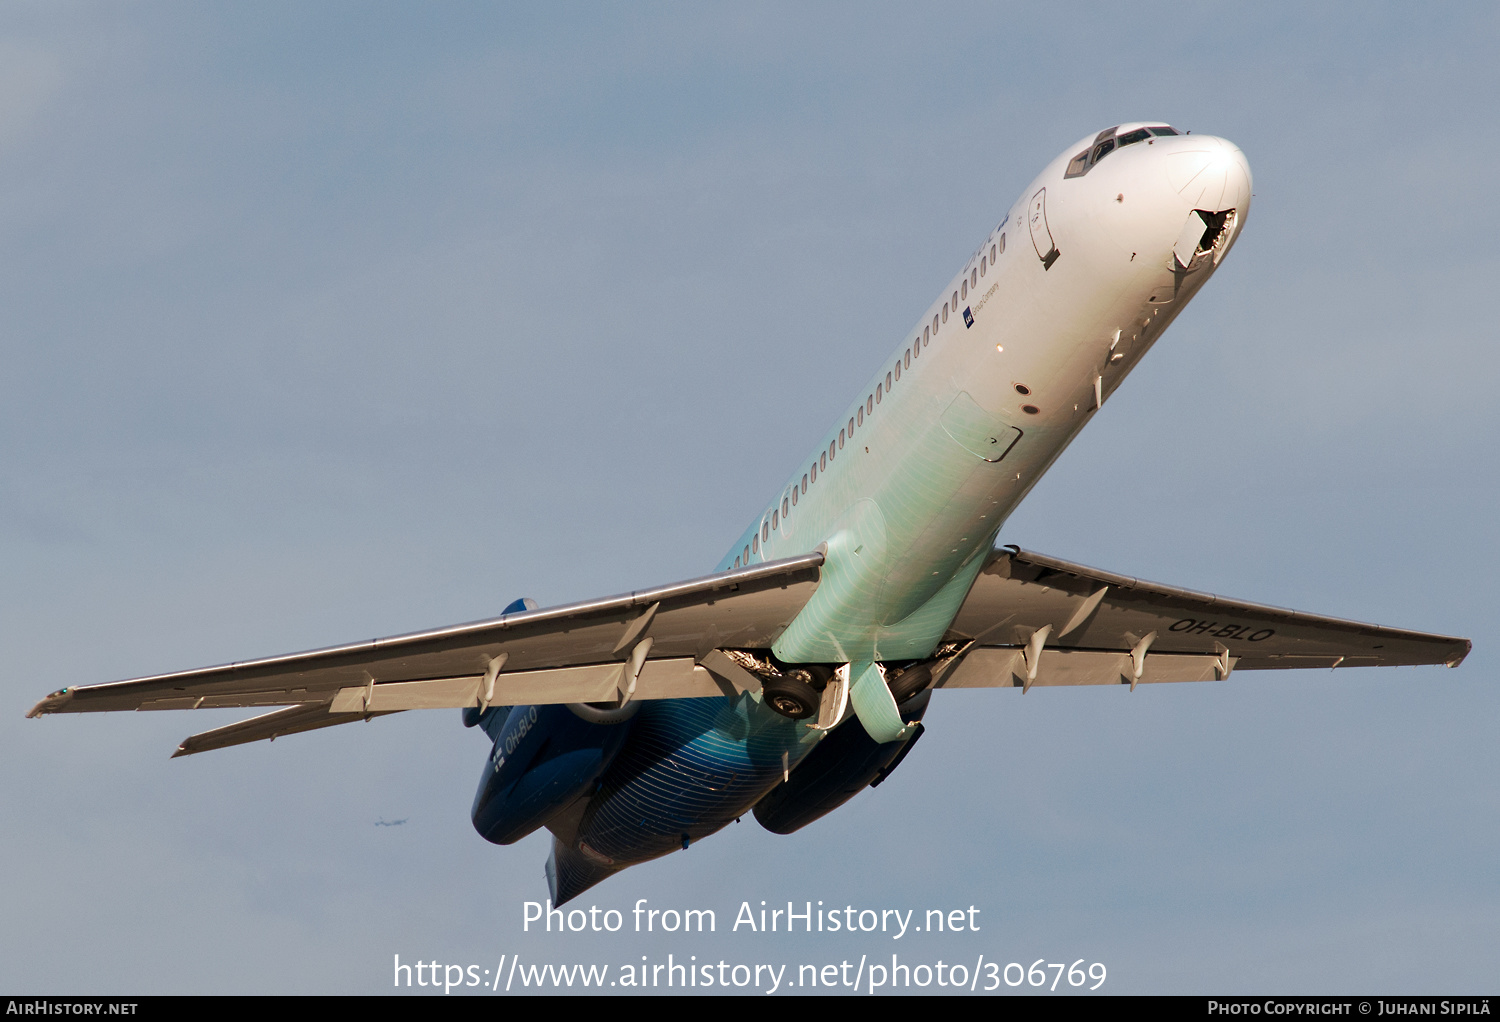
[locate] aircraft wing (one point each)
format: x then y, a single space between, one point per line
648 644
1031 619
1028 620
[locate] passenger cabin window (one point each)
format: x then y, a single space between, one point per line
786 508
747 555
823 460
887 384
908 357
973 278
955 301
765 529
870 405
1002 248
982 262
934 325
736 561
861 415
992 251
964 287
755 543
804 482
945 312
926 335
775 520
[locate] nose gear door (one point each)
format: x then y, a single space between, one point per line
1041 234
1190 240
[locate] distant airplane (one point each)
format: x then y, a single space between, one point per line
383 822
634 725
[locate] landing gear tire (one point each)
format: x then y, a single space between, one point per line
790 697
815 675
908 682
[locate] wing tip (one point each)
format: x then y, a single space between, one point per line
51 704
1459 658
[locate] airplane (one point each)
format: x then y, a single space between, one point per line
797 673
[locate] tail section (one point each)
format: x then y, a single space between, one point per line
570 872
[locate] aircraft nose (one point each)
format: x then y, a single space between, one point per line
1209 173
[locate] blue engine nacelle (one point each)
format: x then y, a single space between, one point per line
836 770
543 759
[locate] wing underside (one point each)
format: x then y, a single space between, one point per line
1029 619
649 644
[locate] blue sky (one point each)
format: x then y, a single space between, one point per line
332 321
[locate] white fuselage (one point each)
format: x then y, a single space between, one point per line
1013 358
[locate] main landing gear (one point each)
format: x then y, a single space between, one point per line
792 690
796 690
792 694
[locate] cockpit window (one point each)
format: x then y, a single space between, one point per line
1107 142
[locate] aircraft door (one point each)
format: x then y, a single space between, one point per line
1041 234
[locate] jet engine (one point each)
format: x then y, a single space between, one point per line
543 759
836 770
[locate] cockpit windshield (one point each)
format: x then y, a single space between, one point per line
1108 141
